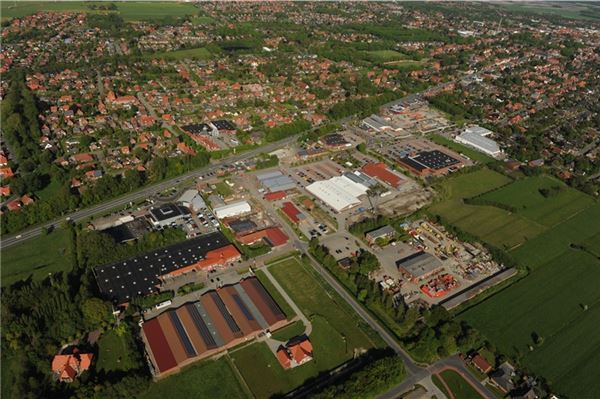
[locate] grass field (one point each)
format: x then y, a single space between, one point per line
287 309
199 53
336 333
384 55
575 10
290 331
208 379
461 149
129 11
472 184
459 387
525 196
38 257
114 354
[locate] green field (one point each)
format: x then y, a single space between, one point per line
199 53
264 280
384 55
549 302
574 10
460 388
525 196
335 335
114 353
461 149
129 11
286 333
208 379
472 184
38 257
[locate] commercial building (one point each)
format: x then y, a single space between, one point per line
275 196
339 193
276 181
376 123
273 236
292 212
381 172
419 266
477 137
426 163
382 232
167 214
192 199
233 209
219 320
334 141
121 281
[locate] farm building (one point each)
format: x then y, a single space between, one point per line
218 320
477 137
419 265
121 281
339 193
233 209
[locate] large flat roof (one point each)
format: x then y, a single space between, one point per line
419 264
121 281
339 192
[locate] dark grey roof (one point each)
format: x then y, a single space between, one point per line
419 264
168 211
126 279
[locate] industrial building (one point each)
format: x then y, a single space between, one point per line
272 236
419 265
233 209
276 181
477 137
376 123
381 172
339 193
124 280
167 214
427 163
334 141
382 232
192 199
219 320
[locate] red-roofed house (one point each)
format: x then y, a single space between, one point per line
481 364
14 205
3 160
5 191
295 354
27 200
66 367
6 173
82 158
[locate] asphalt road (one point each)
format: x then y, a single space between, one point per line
146 192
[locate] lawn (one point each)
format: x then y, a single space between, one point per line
384 55
461 149
202 20
550 302
459 387
293 330
223 189
199 53
129 11
208 379
38 257
336 333
114 352
525 196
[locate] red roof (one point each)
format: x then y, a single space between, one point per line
481 363
380 171
291 211
276 195
274 234
216 257
163 356
67 367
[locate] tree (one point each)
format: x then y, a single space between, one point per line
95 312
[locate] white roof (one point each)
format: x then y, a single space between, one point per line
188 196
479 142
479 130
232 209
338 192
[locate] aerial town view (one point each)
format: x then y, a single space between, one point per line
300 199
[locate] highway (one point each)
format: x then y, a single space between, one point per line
146 192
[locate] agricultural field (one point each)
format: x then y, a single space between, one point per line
526 197
461 149
207 379
459 386
559 303
472 184
37 257
336 334
129 11
199 53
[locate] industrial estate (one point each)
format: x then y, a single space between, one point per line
300 200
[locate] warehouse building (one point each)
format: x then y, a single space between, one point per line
233 209
339 193
121 281
167 214
426 163
272 236
276 181
381 172
382 232
477 137
419 265
193 200
219 320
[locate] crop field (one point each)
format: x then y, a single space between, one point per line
207 379
525 196
38 257
551 303
578 229
335 335
129 11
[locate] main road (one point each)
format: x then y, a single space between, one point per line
143 193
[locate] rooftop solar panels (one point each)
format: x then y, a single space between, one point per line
225 313
205 333
185 340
